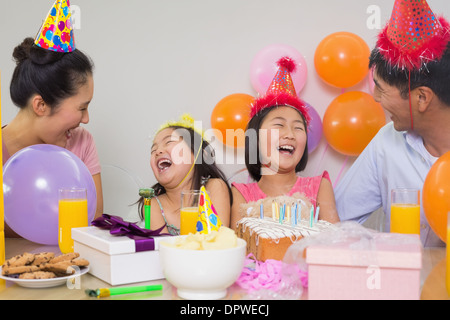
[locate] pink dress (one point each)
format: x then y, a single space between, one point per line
309 186
81 144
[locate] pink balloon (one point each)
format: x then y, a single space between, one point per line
264 67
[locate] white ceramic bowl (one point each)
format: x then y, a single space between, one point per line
202 274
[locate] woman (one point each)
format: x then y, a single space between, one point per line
53 91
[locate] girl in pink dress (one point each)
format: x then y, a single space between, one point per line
276 150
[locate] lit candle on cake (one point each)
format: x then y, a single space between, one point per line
288 213
281 215
294 215
261 211
317 214
274 210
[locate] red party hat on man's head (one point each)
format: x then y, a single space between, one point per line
56 33
413 36
281 91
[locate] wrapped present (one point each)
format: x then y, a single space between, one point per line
355 263
120 252
208 219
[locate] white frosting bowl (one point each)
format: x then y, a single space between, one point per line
202 274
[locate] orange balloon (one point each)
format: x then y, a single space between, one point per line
436 196
230 117
351 121
342 59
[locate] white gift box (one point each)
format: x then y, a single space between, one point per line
114 259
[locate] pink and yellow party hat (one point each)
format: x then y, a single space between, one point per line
56 33
208 219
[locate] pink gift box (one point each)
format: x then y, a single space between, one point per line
386 267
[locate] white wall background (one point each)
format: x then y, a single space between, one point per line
156 59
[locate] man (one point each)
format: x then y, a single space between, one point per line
411 71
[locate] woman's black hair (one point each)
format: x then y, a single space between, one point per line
205 166
252 155
54 76
434 75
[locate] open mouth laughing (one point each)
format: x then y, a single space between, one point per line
286 149
163 164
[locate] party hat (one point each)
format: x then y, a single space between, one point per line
208 220
56 32
413 36
281 91
185 121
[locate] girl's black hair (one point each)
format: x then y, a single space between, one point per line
205 166
252 156
435 75
54 76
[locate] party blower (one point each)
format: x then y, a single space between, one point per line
106 292
147 194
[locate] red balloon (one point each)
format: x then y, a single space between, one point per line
230 117
436 196
351 121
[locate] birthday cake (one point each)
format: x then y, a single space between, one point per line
268 239
268 236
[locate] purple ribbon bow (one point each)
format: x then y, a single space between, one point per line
143 238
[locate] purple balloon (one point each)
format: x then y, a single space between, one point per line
315 129
31 179
61 25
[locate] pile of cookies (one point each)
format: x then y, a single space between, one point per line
44 265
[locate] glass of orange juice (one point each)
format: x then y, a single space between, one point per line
73 213
189 211
405 211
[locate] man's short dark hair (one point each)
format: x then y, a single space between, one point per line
434 75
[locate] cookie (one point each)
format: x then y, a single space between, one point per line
7 271
43 265
80 262
19 260
37 275
41 258
62 268
65 257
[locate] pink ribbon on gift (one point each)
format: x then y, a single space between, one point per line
267 275
143 238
